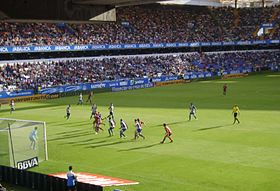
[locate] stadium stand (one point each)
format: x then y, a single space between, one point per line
143 24
29 75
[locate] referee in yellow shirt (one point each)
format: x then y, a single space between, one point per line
236 112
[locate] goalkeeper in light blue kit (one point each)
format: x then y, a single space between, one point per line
33 138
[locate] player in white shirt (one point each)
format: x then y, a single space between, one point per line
138 131
192 111
68 112
80 102
111 110
33 138
111 126
123 128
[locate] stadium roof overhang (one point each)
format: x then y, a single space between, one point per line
240 3
139 2
114 2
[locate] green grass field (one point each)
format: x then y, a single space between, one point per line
208 154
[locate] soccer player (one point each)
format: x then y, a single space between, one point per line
225 89
68 112
111 126
192 111
71 180
138 131
236 112
111 109
33 138
89 97
168 134
93 110
97 123
123 128
80 102
12 106
141 122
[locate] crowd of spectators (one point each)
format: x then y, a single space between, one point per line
243 24
53 73
19 34
147 24
276 31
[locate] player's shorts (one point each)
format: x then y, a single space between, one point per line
111 113
139 130
68 114
235 114
32 139
169 134
111 127
123 130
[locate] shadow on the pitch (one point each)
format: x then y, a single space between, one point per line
72 124
138 148
69 132
88 123
109 144
82 134
88 142
173 123
214 127
3 154
31 107
75 142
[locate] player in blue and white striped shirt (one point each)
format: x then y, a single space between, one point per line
192 111
138 131
111 126
123 128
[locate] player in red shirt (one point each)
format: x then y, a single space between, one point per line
90 95
97 122
168 133
225 89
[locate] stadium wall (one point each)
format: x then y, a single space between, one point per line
37 181
100 47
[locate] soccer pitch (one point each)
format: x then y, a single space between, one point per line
208 154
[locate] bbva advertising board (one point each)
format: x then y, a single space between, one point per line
29 163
